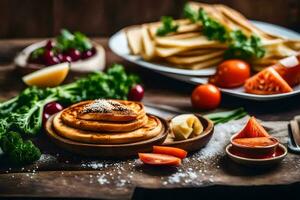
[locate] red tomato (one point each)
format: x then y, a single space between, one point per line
180 153
231 73
159 159
266 82
206 97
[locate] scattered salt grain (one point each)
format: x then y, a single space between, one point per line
102 180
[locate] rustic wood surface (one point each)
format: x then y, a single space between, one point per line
35 18
65 176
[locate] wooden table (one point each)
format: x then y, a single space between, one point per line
160 90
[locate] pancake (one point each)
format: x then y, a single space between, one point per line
134 110
113 121
152 128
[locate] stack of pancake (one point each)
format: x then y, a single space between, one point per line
107 122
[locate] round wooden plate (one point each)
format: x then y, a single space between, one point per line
257 162
195 143
107 150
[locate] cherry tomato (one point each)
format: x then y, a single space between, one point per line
86 54
136 93
159 159
50 109
231 73
45 116
50 58
206 97
49 45
74 54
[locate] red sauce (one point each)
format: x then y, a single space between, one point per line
255 141
278 152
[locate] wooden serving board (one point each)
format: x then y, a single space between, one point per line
61 174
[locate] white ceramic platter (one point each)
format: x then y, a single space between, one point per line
118 45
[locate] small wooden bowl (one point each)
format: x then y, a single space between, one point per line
195 143
256 161
109 150
255 151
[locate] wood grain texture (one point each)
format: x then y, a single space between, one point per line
34 18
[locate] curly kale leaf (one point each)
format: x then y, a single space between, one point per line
17 150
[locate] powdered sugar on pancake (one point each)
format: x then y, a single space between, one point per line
105 106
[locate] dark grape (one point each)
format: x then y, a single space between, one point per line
136 93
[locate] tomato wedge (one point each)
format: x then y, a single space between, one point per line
180 153
159 159
252 129
268 81
290 74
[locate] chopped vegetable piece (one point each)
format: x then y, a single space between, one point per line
159 159
289 70
268 81
252 129
223 117
180 153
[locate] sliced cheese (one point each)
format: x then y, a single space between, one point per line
186 126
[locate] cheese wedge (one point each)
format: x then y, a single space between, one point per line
186 126
194 59
134 38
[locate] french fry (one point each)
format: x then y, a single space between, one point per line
205 64
194 59
134 38
148 51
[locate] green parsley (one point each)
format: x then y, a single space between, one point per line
66 40
168 26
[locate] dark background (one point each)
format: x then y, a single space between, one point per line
44 18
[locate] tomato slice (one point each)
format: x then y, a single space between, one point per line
268 81
252 129
290 74
159 159
180 153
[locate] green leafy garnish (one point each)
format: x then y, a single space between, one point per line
168 26
223 117
211 28
244 48
190 14
239 45
66 40
18 150
37 53
23 113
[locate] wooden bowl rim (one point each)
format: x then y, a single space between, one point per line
50 132
257 159
208 131
27 50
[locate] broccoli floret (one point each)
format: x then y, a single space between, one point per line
19 151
